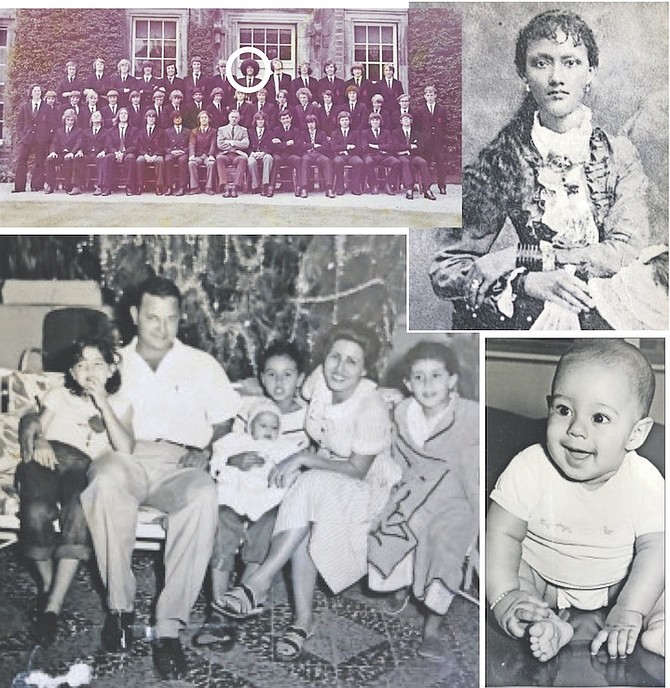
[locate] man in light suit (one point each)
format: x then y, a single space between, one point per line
232 140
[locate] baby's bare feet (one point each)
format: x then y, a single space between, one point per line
548 636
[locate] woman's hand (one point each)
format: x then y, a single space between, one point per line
559 287
485 272
44 454
246 460
284 473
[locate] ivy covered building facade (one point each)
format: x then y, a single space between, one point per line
424 44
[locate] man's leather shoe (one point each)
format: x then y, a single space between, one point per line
429 195
168 191
98 191
76 191
271 191
180 192
169 659
106 192
21 190
374 191
194 192
389 190
226 193
117 633
48 189
340 192
45 628
330 194
443 190
233 193
303 193
409 194
210 192
357 192
129 192
159 191
138 192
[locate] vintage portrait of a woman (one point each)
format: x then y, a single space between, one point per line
564 204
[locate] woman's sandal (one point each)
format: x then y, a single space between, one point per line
239 603
293 641
395 606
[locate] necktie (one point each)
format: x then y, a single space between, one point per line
123 138
35 106
374 131
304 81
345 133
136 109
232 133
407 136
96 130
431 109
358 82
151 131
67 130
113 109
178 130
312 135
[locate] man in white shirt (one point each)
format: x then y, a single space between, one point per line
182 401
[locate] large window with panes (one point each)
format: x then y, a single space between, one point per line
275 40
156 39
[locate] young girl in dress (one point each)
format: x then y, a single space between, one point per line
77 424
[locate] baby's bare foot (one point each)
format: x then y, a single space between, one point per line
548 636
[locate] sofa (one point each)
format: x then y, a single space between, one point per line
20 393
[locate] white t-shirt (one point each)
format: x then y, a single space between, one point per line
187 394
578 538
70 420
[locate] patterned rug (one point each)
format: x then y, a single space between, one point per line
356 643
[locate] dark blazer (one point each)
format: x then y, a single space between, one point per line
217 80
146 89
136 119
328 122
100 86
217 118
246 111
108 116
202 144
321 139
164 119
399 142
298 83
191 113
365 90
190 82
293 134
177 141
270 112
114 140
63 143
358 117
35 129
339 143
177 84
384 141
284 83
93 144
337 87
151 145
65 86
83 114
433 127
123 87
264 144
300 114
390 95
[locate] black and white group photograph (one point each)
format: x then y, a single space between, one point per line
333 345
246 456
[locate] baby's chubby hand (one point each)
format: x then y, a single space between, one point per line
622 628
245 461
517 609
44 454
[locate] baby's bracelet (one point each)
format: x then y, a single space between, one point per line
500 597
